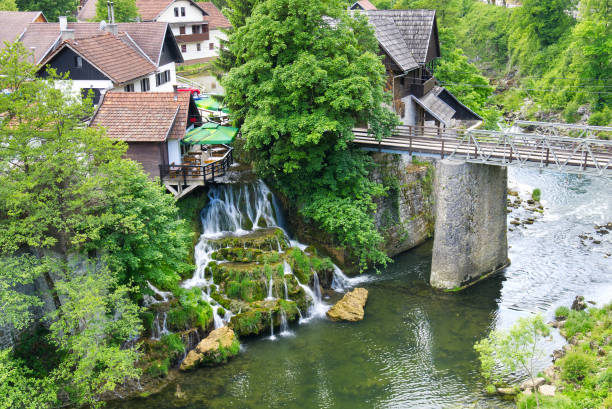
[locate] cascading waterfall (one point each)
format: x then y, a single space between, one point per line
272 337
285 286
341 283
159 330
237 210
284 325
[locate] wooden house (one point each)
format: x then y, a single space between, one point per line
152 124
409 42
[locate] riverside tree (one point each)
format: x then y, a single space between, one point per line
305 74
505 352
90 225
124 10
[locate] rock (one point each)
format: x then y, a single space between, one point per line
558 354
557 323
573 340
506 391
350 307
550 372
512 193
579 304
179 394
547 390
529 384
601 351
217 347
515 223
596 241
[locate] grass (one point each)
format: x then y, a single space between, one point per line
536 194
562 312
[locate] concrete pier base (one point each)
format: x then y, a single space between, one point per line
470 234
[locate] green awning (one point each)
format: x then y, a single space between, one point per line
211 104
210 134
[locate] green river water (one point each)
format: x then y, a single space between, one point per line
414 347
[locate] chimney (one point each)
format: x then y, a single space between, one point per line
111 27
175 87
65 32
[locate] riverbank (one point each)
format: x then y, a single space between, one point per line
581 376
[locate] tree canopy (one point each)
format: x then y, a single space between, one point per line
8 5
305 74
52 9
125 10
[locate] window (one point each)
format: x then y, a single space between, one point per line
196 29
182 11
199 46
78 62
162 77
176 12
205 28
183 48
182 30
144 85
211 46
129 88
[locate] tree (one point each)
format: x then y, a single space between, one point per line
52 9
8 5
306 73
544 20
503 352
124 10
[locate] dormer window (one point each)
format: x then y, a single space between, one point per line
78 62
182 11
176 12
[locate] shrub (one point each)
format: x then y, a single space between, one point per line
548 402
174 343
577 322
576 365
233 289
562 312
601 118
536 194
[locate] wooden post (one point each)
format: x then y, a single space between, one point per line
213 172
547 153
410 146
585 159
184 175
510 155
442 150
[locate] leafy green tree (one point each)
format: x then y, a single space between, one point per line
125 10
8 5
544 20
52 9
306 73
20 389
504 352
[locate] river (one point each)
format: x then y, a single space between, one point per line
414 347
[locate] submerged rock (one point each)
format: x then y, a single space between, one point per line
350 307
220 345
506 391
547 390
529 384
579 304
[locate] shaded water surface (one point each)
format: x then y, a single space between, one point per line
414 348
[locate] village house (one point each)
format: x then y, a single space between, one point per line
13 24
196 26
409 42
152 124
129 57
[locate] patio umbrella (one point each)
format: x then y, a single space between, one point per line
211 104
210 134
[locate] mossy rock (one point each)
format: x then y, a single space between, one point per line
267 239
303 266
257 319
238 254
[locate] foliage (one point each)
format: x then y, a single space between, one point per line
546 402
8 5
17 306
576 366
577 322
125 10
298 102
536 194
20 389
52 9
174 343
505 351
562 312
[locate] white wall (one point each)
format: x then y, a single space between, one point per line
192 13
192 51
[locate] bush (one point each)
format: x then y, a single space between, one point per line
562 312
575 366
174 343
536 194
577 322
601 118
546 402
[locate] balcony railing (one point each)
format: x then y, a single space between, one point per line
194 173
191 38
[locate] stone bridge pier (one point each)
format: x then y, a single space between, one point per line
470 237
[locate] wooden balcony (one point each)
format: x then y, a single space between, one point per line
192 38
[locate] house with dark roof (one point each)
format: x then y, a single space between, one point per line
124 57
409 43
197 26
152 124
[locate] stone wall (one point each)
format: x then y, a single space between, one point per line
470 229
405 215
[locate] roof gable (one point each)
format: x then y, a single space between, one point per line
392 42
363 5
111 55
417 27
143 116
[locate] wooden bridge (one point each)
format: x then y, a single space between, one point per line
581 154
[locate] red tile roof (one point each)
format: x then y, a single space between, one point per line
14 23
115 56
143 116
43 36
149 10
88 11
215 18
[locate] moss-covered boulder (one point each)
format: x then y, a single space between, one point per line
260 315
268 239
220 345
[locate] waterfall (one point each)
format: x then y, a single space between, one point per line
284 326
286 291
159 330
150 300
270 289
272 337
341 282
